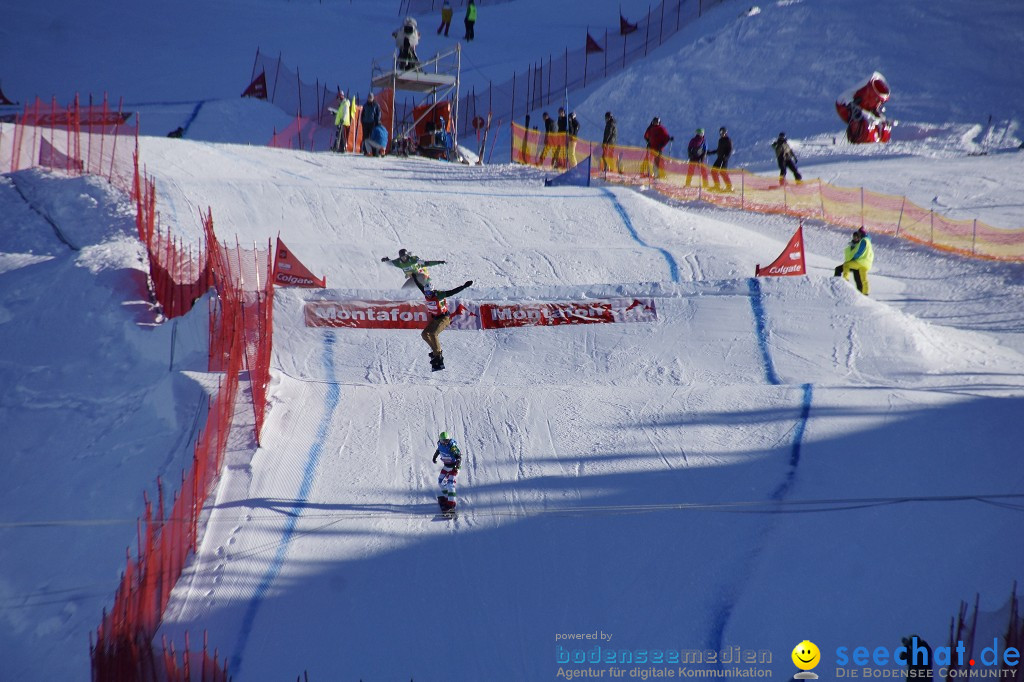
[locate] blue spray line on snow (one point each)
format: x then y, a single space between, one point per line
672 265
312 462
757 305
192 117
762 335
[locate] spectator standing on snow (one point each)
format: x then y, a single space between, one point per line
548 143
723 151
370 118
446 18
608 141
470 20
342 123
573 130
557 161
697 154
657 138
858 257
786 158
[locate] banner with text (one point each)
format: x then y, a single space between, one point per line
359 314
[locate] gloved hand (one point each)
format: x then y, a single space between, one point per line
671 139
469 282
434 460
385 259
442 262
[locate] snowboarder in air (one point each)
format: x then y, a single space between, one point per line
451 460
414 268
440 318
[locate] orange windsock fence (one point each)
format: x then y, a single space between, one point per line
734 188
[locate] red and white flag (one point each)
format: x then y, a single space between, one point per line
790 261
289 272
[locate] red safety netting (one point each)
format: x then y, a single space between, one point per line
91 139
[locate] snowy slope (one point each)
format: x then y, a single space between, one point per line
568 429
913 393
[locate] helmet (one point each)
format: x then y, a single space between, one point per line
402 253
722 130
860 233
782 136
607 114
655 121
445 436
700 131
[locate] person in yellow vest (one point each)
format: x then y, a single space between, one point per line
470 19
858 257
342 123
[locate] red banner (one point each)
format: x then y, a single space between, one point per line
289 272
790 262
414 315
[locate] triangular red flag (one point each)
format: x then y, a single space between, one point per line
289 272
258 87
625 28
592 45
790 262
4 100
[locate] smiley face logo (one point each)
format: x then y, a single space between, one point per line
806 655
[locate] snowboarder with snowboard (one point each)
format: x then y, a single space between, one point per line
858 257
451 460
440 318
786 158
415 269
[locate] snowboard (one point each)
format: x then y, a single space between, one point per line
446 514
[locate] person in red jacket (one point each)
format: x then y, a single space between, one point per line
657 138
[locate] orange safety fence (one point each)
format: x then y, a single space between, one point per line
736 188
77 139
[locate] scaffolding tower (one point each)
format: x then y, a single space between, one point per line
433 81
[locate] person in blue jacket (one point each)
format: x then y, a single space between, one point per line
377 143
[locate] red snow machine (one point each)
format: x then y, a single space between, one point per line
863 111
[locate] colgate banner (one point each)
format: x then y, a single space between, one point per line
414 315
790 261
289 272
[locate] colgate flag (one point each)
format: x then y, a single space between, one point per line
790 261
289 272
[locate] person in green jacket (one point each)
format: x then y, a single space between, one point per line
414 268
342 122
858 257
470 19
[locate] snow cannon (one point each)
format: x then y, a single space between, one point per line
863 111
